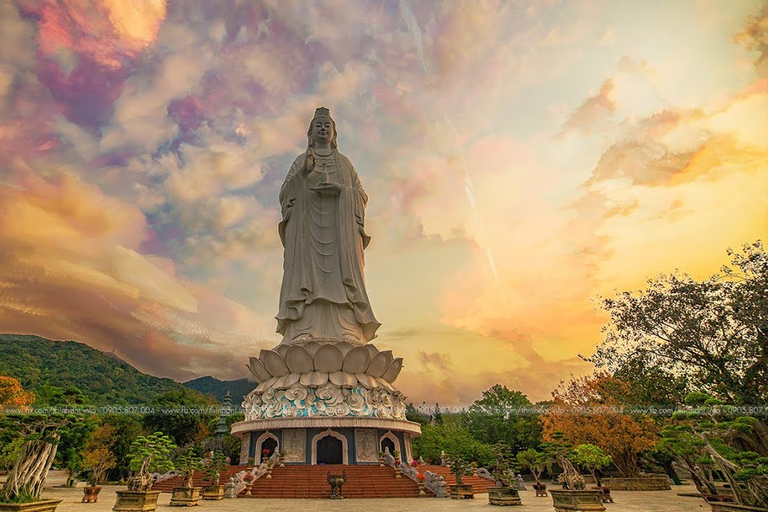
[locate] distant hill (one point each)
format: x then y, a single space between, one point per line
103 379
218 388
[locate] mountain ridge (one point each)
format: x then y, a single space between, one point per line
41 364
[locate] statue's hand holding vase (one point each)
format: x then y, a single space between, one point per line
327 188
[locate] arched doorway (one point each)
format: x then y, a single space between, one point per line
329 451
266 441
332 452
389 440
268 447
388 443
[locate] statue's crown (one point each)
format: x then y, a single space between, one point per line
322 112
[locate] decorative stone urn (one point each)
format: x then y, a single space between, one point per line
35 506
567 500
185 496
136 501
91 493
504 496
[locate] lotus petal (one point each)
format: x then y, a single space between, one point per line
343 379
298 360
367 381
328 359
311 347
372 350
345 347
394 370
274 363
336 378
380 364
357 360
304 380
317 379
265 385
386 385
350 380
282 349
257 370
287 381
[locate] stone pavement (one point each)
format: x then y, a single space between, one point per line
626 501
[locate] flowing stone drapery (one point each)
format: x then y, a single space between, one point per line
323 296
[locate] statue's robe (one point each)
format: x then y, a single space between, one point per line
323 294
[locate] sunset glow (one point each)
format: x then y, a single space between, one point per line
521 159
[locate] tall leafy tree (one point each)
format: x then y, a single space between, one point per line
501 416
711 334
184 414
589 410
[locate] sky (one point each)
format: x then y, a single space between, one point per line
521 158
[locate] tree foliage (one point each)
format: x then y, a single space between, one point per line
98 458
589 410
712 334
184 414
12 395
73 436
63 366
149 454
591 458
497 418
452 436
718 437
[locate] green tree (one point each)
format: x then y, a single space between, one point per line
147 455
184 414
499 416
711 333
411 414
127 429
534 461
452 436
592 459
73 438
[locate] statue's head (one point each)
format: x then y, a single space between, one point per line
322 114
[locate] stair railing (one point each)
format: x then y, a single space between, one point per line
484 473
257 473
436 484
157 477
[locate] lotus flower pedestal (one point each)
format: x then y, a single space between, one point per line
308 392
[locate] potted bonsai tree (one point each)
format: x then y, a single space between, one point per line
715 435
147 455
22 489
460 468
98 459
593 459
535 462
504 492
187 494
574 495
213 465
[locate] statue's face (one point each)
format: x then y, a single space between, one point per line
322 130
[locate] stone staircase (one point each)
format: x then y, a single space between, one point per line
479 484
199 479
311 482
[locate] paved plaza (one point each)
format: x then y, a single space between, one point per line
626 501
